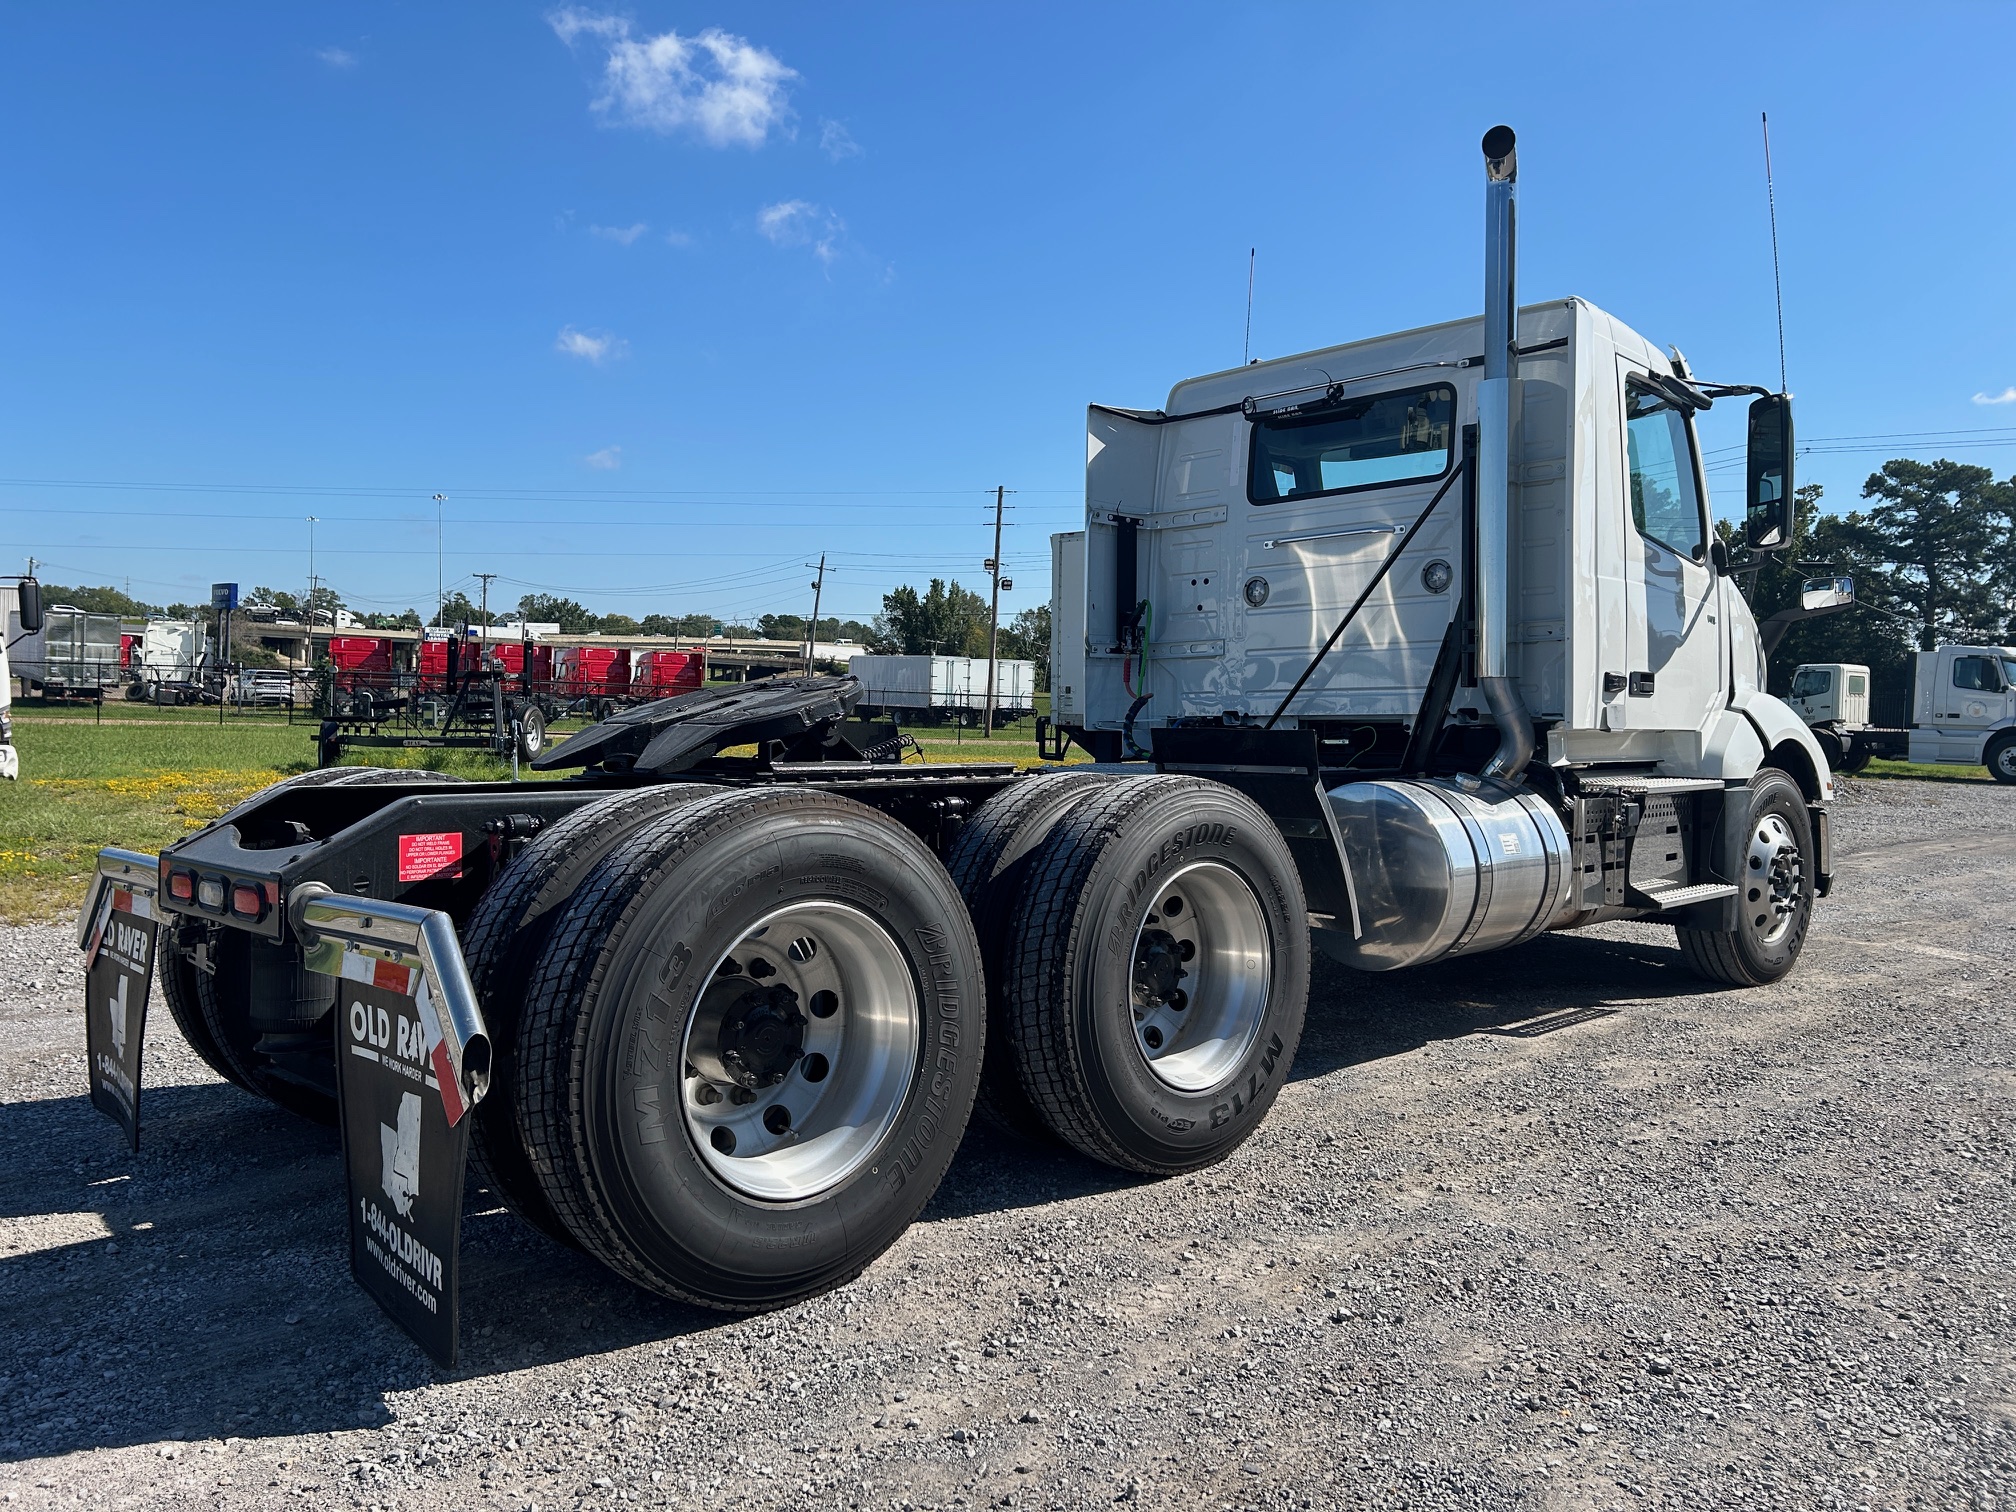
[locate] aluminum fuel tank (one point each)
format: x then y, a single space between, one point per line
1446 866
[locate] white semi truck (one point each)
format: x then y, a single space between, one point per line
1422 644
20 617
1963 711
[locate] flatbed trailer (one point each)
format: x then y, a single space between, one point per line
716 1008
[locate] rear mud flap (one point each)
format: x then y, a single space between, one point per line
118 927
412 1059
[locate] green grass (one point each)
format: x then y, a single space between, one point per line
1927 772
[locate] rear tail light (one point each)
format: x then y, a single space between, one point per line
210 894
182 885
248 900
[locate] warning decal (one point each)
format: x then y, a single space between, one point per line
422 857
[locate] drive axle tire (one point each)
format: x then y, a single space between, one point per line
1160 973
179 992
501 943
1774 876
2000 758
989 863
751 1047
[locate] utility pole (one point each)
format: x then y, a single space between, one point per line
440 591
485 576
812 630
993 613
308 608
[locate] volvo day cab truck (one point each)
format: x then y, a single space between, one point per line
1963 711
1414 648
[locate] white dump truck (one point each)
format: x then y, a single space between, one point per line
1422 644
1963 711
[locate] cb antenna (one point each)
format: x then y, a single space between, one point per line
1777 285
1246 351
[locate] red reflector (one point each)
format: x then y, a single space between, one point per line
182 885
248 900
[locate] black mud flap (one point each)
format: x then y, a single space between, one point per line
119 968
405 1151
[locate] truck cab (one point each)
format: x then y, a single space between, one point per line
1831 693
1963 704
1228 532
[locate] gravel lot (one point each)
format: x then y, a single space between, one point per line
1555 1228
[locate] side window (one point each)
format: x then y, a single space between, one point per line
1665 505
1976 674
1811 682
1356 443
1858 685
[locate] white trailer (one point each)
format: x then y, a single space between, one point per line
1963 711
74 655
943 687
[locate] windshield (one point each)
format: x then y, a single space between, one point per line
2009 673
1811 682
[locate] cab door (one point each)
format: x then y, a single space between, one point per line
1676 654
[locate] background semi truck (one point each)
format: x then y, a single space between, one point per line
1368 644
20 615
1963 711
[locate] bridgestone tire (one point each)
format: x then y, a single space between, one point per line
1746 956
2000 758
989 863
179 992
602 1098
1072 986
502 942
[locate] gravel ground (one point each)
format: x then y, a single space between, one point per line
1554 1229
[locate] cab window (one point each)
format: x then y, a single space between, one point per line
1811 682
1357 443
1665 504
1977 674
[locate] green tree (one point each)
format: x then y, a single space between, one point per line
944 620
618 624
549 609
98 601
1940 532
781 627
457 610
405 620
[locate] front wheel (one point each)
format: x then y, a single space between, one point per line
750 1049
1774 876
2000 758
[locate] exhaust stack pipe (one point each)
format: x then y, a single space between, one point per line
1494 455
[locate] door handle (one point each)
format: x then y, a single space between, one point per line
1641 684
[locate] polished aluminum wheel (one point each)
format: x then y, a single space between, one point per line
801 1051
1202 963
1774 886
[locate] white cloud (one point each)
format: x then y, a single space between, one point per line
729 90
678 239
800 223
336 57
2007 396
837 142
621 235
590 346
606 460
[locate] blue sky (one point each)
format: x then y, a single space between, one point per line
669 299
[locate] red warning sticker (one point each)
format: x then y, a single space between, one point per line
424 856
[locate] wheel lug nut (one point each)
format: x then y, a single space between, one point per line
707 1095
741 1096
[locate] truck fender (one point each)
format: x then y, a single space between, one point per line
1779 728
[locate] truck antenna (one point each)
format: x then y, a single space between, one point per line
1777 285
1246 351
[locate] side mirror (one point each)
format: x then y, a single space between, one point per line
1818 595
29 606
1767 514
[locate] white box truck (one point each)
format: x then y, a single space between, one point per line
1963 711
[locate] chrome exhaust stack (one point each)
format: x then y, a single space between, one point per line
1449 866
1494 456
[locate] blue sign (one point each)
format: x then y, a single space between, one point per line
223 596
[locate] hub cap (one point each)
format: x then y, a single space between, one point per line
1201 967
800 1052
1774 879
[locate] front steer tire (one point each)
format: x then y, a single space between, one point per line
1099 966
658 951
1774 875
